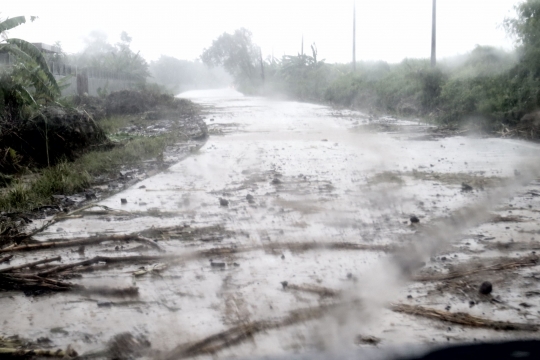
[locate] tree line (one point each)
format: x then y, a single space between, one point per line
491 86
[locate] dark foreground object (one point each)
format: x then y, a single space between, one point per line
486 288
492 351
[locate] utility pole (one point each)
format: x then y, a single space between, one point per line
354 38
262 65
434 35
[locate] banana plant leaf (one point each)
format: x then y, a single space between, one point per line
11 23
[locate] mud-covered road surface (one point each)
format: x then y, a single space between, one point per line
286 232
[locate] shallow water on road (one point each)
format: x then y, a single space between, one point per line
288 172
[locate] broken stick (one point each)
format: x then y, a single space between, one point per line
29 265
461 318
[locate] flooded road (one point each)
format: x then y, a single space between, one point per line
289 206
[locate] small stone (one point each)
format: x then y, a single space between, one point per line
282 257
101 303
284 284
409 297
90 196
142 187
217 264
223 202
414 220
349 276
466 187
250 198
486 288
276 181
448 307
443 258
123 201
471 303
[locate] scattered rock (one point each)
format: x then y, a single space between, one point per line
282 257
123 201
366 340
223 202
217 264
284 284
250 198
142 187
485 288
276 181
466 187
414 220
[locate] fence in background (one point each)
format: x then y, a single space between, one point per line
78 81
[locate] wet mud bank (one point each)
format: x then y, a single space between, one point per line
294 228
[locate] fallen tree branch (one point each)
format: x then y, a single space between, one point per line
17 353
105 259
235 335
506 264
59 243
131 291
299 246
318 290
462 318
32 264
6 258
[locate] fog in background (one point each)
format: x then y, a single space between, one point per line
388 30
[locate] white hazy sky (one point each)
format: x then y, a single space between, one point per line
386 29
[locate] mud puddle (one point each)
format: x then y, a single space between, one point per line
278 236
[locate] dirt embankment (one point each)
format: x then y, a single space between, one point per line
57 133
138 133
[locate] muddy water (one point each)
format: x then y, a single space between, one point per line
293 173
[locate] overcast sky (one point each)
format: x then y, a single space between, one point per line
386 29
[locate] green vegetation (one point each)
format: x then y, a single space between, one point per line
33 190
28 83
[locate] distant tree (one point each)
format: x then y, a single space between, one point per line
118 58
238 55
526 28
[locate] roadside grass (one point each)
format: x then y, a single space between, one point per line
33 190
